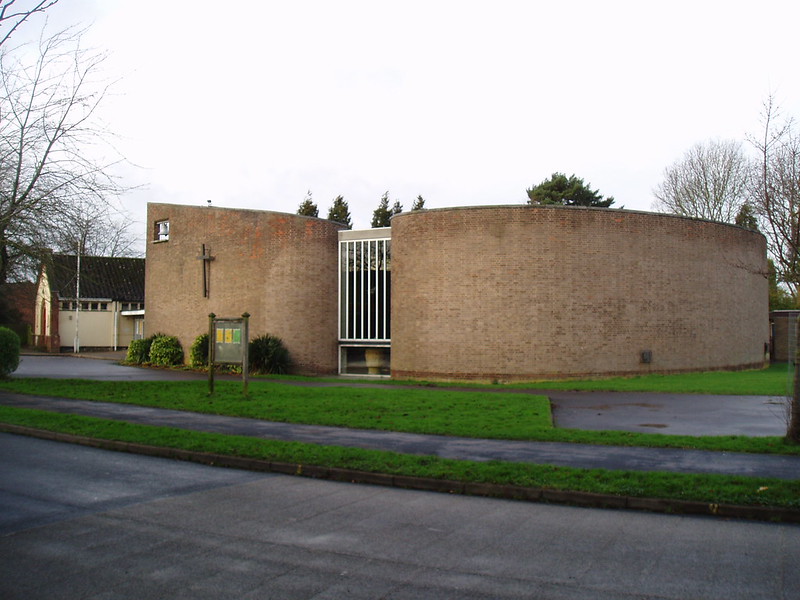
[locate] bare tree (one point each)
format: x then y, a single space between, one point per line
93 229
709 182
776 198
13 14
776 191
52 152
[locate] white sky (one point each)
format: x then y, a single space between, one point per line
252 103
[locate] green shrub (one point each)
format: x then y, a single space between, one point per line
198 353
165 351
268 355
138 351
9 352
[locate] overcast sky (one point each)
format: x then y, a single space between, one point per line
251 104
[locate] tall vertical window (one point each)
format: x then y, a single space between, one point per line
365 290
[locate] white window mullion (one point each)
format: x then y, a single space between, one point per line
385 299
343 293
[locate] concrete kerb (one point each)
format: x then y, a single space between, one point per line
509 492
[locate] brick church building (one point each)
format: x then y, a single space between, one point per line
495 293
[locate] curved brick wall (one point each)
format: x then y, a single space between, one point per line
520 292
281 268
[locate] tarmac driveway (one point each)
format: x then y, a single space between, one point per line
103 366
674 414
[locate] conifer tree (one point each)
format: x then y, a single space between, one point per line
340 212
307 208
569 191
382 214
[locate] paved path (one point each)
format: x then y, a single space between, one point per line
702 414
674 414
554 453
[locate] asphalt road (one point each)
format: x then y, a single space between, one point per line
59 366
85 523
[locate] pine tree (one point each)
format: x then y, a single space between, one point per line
569 191
419 203
382 214
340 212
746 217
307 208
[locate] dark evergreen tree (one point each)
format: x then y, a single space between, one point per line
419 203
747 218
382 214
340 212
307 208
568 191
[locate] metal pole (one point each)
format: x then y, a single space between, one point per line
245 352
211 317
76 346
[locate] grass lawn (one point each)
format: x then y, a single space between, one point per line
712 489
431 410
775 380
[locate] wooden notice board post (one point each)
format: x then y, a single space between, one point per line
228 344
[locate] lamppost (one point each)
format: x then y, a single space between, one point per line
76 346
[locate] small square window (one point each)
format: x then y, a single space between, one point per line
162 231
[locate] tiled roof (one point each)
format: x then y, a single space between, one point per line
116 278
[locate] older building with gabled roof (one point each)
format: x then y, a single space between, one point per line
99 306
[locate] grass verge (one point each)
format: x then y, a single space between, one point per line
775 380
488 415
711 489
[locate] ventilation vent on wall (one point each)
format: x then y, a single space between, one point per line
646 357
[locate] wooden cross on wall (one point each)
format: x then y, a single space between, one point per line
205 256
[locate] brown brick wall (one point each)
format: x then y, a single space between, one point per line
520 292
784 334
280 268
